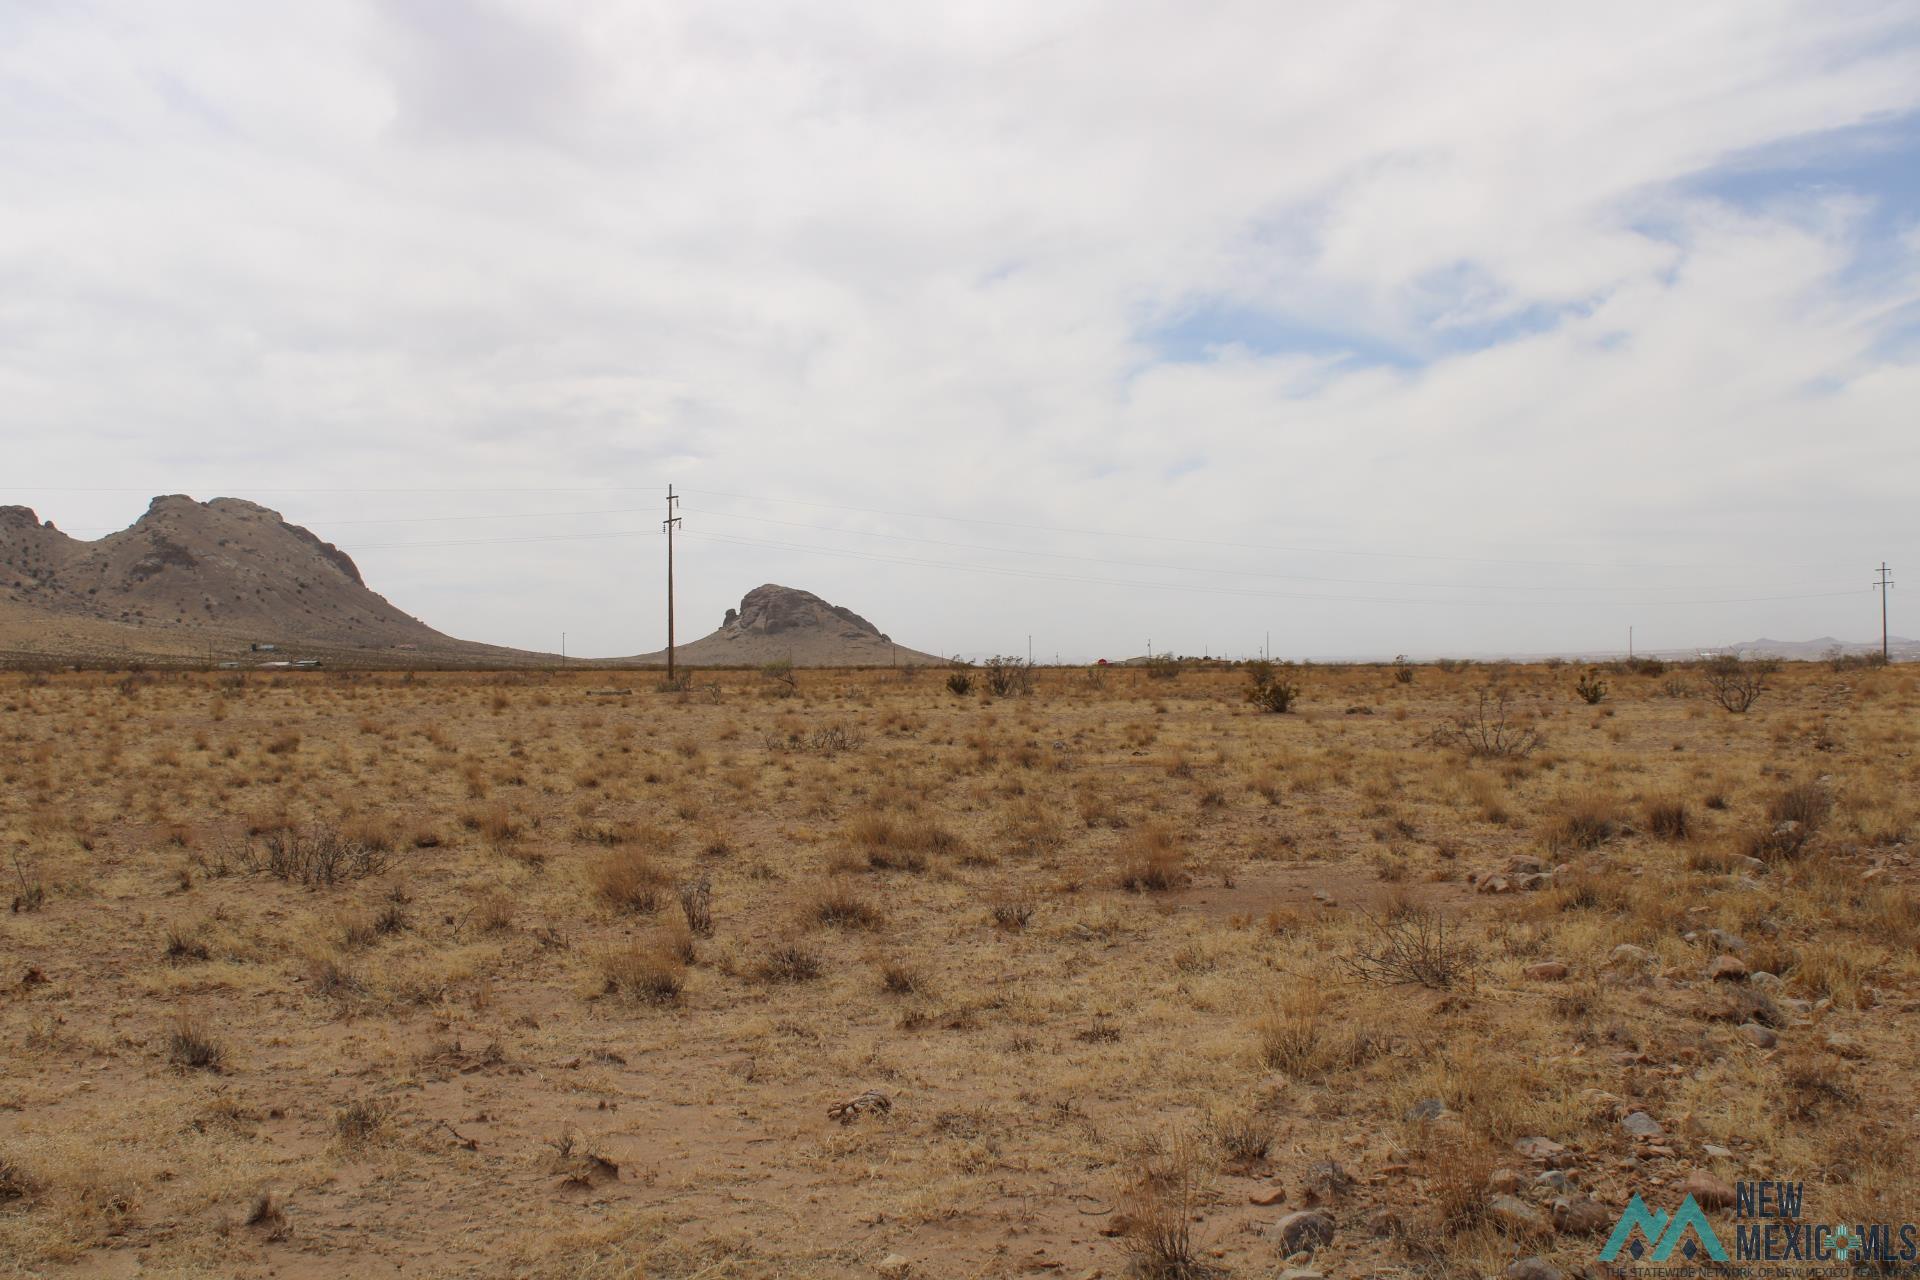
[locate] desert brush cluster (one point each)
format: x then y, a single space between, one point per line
1168 971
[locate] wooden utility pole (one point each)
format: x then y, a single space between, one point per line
1885 584
670 524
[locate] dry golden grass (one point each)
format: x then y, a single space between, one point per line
316 975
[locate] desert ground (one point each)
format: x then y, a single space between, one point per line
514 974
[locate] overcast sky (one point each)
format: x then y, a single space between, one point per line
1381 328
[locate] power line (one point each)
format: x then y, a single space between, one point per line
1035 575
1885 584
1239 573
1211 542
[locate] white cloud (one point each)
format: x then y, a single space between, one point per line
911 257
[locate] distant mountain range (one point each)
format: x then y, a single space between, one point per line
230 580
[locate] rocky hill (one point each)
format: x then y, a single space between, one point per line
775 623
188 575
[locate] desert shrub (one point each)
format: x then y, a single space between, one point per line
841 906
314 856
361 1122
1162 666
696 903
1151 861
1458 1174
628 880
1591 688
647 973
827 740
789 962
186 944
191 1047
1273 687
1735 684
1491 729
1413 947
1288 1036
1795 815
780 678
959 683
1669 818
1586 822
1402 669
1646 666
1244 1137
899 978
1840 660
1012 913
1160 1204
1008 676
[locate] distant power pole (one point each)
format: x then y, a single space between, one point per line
671 523
1885 584
563 648
1629 642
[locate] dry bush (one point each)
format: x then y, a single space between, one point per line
1669 818
1416 946
1590 688
898 844
1151 860
1794 816
361 1123
841 905
647 973
1734 684
1013 913
191 1047
1008 676
901 978
1289 1036
790 961
628 880
186 944
1169 1186
1491 729
696 904
315 856
1586 822
1244 1136
1457 1175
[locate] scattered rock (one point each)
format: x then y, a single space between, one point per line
1707 1191
1301 1273
1628 956
1515 1216
1582 1216
1554 1180
1491 883
1268 1196
1537 1148
1642 1125
1382 1223
1504 1181
894 1267
1758 1036
1725 941
1304 1229
1425 1109
1546 971
1534 1268
1325 1181
1764 981
1845 1045
1727 969
1523 865
1717 1153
